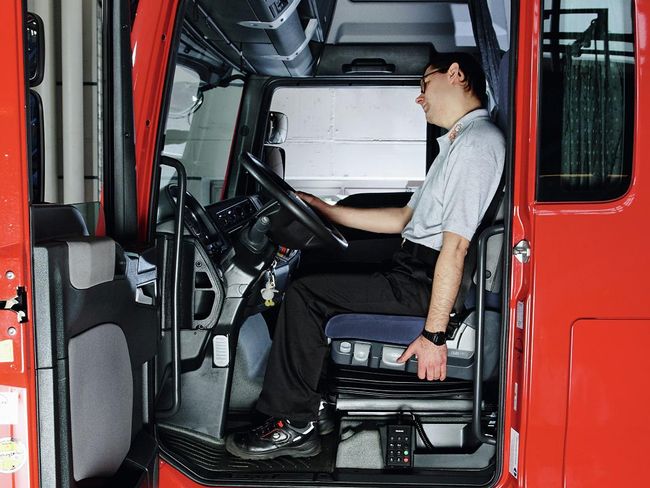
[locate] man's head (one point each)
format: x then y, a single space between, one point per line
452 85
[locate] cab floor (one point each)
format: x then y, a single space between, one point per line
208 459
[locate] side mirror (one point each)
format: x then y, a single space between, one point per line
276 129
35 48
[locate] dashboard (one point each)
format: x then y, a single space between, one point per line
231 214
212 225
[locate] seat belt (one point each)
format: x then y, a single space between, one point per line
470 260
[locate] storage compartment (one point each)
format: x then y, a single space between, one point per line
366 443
265 36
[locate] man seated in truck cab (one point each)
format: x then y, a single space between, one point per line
437 225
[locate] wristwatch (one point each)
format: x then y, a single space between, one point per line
438 338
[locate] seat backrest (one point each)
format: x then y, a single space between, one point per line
53 221
89 325
493 215
503 93
274 157
494 252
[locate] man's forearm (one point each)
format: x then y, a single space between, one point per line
380 220
447 276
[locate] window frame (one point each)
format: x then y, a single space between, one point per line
612 193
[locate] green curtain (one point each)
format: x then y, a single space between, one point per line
593 117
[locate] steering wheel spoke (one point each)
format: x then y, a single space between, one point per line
319 228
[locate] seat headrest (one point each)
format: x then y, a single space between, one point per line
53 221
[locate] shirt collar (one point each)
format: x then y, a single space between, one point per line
461 124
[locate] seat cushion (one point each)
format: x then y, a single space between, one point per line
377 341
391 329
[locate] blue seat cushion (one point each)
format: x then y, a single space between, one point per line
391 329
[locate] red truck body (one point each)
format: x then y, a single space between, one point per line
576 387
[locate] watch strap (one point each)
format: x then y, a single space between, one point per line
438 338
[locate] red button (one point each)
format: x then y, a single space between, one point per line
406 460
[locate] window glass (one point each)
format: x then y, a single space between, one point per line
346 140
199 131
35 113
586 100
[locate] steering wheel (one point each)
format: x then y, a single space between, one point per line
286 196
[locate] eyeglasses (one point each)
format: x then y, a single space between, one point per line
423 83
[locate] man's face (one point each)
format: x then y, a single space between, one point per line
429 88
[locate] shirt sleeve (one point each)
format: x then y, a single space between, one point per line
413 201
469 180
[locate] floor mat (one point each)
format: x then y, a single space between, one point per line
206 457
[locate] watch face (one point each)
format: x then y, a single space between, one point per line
439 338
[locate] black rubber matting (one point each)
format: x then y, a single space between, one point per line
209 459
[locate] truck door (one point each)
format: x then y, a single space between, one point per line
581 206
18 422
80 312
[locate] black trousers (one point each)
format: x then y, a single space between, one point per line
299 349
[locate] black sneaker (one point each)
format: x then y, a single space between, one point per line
326 418
275 438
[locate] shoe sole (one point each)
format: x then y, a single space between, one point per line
313 450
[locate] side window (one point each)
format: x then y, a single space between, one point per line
35 114
199 130
586 100
346 140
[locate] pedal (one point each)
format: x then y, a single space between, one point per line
399 446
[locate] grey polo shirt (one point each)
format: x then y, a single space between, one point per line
461 182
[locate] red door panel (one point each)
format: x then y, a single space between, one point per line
606 413
585 324
18 435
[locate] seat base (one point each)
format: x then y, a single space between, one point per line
377 341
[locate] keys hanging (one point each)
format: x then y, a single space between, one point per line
269 291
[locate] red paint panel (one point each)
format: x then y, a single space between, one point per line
609 394
170 477
589 260
17 372
525 114
150 42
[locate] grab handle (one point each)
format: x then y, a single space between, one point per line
176 266
480 332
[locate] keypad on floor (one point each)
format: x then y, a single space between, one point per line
398 449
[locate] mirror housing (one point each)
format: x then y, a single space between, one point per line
276 128
35 48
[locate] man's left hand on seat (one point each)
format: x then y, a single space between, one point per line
432 359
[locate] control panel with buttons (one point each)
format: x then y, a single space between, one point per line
230 214
399 442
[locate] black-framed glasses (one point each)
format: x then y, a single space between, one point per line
423 82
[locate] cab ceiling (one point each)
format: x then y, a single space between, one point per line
242 31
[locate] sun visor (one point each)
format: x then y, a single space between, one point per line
374 59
